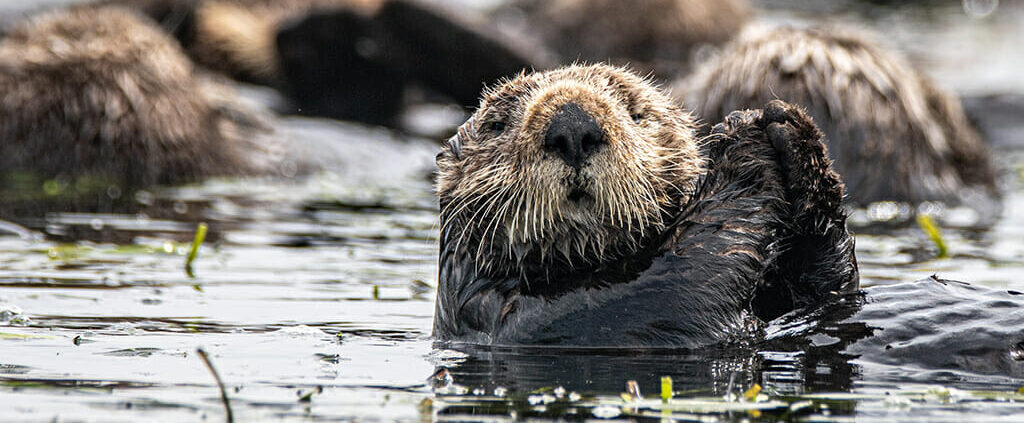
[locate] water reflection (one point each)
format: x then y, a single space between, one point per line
928 331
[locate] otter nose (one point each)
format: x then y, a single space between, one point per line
573 135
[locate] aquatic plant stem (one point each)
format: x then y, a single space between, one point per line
930 228
194 249
220 384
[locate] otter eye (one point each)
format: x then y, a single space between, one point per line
496 127
637 117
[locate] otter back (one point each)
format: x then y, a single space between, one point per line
102 93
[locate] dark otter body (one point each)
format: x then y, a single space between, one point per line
344 59
758 233
929 331
347 65
893 134
101 96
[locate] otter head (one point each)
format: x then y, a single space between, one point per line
569 168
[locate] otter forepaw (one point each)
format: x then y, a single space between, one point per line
813 187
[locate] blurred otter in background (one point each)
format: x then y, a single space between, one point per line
345 59
100 94
658 36
894 136
236 37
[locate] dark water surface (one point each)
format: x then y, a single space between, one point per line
322 287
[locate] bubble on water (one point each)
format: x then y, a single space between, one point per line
1017 352
606 412
980 8
125 328
114 192
13 315
884 211
144 197
289 169
540 399
500 391
300 331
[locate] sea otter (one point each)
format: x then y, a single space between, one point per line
658 36
344 59
235 37
102 94
893 134
579 207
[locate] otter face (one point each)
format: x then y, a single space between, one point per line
576 165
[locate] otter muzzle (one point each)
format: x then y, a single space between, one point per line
573 135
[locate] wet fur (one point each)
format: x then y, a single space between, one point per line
750 227
102 92
649 35
893 134
236 37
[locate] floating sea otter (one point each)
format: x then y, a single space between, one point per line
894 136
579 207
659 36
103 94
345 59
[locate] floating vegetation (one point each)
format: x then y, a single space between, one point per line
930 228
194 249
666 388
755 403
307 395
9 336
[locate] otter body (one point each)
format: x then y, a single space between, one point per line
893 135
344 59
578 207
102 93
658 36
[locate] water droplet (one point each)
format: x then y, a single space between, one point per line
1017 352
144 197
979 9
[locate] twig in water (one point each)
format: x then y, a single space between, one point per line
220 384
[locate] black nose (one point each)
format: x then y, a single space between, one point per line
573 135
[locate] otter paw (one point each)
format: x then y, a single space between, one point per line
813 187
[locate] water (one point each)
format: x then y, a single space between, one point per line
322 288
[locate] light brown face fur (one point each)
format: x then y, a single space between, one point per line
506 198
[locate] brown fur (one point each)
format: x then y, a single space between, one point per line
893 134
579 208
236 37
509 197
649 35
102 92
